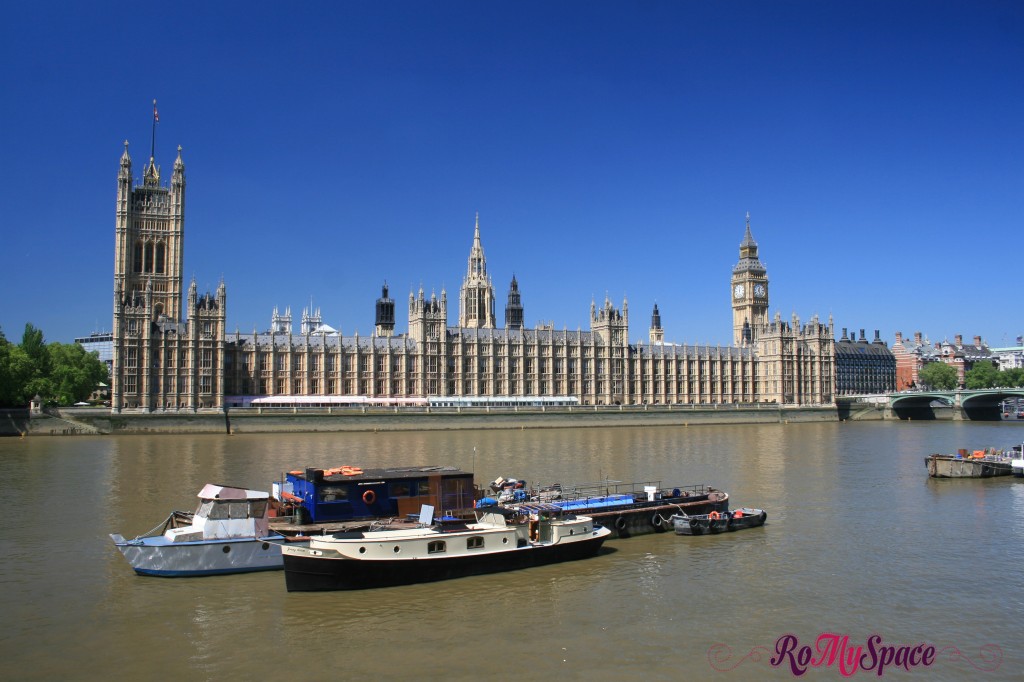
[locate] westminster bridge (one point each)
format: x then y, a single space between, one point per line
983 404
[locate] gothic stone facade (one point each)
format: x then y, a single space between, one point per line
166 359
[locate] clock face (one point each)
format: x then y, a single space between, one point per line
737 291
759 290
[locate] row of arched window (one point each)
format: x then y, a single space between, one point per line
150 257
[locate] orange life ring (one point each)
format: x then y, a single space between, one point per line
714 516
369 497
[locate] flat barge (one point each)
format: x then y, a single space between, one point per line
627 509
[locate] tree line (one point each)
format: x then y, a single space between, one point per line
943 377
59 373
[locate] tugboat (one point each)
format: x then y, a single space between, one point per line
502 538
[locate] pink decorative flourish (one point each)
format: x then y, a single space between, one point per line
991 656
720 654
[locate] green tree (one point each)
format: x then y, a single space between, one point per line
938 375
1012 377
74 373
6 380
16 375
981 375
35 347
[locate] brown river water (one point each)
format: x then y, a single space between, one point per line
859 542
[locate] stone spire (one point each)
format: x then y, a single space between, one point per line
514 307
384 324
657 334
476 299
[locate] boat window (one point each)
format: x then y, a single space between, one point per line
400 489
258 509
333 493
436 547
219 512
475 542
223 509
423 488
204 508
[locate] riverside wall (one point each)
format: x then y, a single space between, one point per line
86 421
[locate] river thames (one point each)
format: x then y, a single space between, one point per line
859 542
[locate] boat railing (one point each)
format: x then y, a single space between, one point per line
602 490
176 519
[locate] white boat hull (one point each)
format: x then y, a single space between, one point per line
157 557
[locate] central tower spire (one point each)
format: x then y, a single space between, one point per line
476 299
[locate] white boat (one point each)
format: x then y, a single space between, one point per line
1017 461
501 539
228 533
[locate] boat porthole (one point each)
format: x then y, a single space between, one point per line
571 531
362 550
227 549
397 549
504 541
266 545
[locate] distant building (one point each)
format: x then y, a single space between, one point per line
101 343
912 355
863 367
1011 357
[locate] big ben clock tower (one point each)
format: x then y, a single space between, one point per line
749 292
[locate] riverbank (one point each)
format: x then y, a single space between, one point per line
91 421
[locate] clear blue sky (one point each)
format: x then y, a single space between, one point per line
609 147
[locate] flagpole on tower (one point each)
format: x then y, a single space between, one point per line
156 119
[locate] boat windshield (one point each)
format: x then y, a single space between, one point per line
219 510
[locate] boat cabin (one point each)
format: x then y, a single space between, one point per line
224 513
348 493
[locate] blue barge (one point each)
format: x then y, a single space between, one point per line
313 497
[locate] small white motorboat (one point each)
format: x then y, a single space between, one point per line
228 533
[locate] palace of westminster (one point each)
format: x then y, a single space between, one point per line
172 358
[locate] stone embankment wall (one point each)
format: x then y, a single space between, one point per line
75 421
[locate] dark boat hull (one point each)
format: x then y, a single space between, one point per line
316 574
752 518
702 525
654 517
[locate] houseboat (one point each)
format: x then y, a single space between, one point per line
502 538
